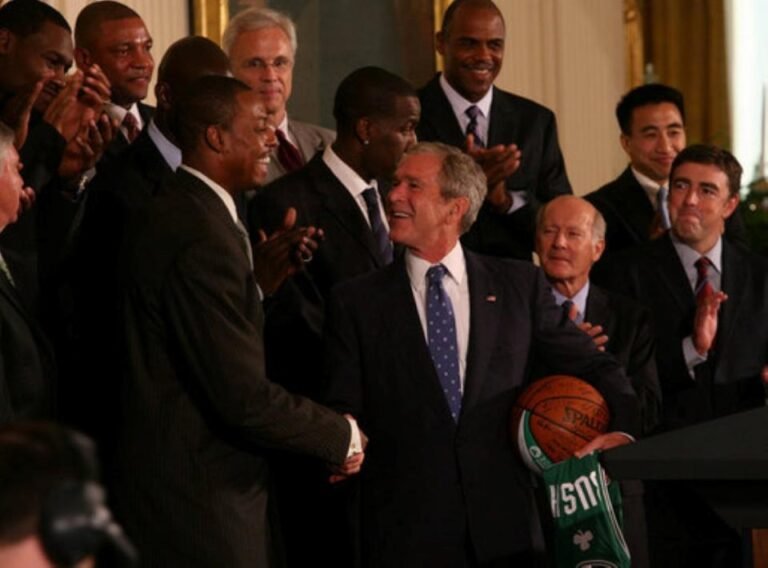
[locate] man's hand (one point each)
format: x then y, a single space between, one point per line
498 163
604 442
95 91
705 321
353 464
283 253
87 148
17 111
64 113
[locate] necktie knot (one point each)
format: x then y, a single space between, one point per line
131 126
370 198
287 154
436 273
702 266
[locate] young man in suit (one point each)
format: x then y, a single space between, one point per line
27 370
429 354
261 44
199 415
570 238
708 300
514 139
634 205
339 191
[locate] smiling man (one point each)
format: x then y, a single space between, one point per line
114 36
429 353
261 44
708 301
634 205
514 139
199 415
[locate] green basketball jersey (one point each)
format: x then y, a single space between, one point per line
584 509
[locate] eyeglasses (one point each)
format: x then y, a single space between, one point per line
279 64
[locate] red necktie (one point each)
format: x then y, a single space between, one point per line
131 126
287 154
704 287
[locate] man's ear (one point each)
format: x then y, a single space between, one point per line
163 95
7 41
730 206
458 209
624 140
215 139
83 58
440 42
363 130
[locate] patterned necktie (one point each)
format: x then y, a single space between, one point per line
6 271
662 206
473 112
131 126
246 241
704 287
441 334
380 234
287 154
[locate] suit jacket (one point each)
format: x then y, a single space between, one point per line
628 214
296 313
513 120
310 139
119 192
631 341
27 370
198 412
729 381
428 482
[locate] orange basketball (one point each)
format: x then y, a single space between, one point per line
556 416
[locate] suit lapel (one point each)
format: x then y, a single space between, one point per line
636 208
341 205
670 271
735 275
501 122
485 307
441 116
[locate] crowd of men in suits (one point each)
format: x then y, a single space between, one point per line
233 302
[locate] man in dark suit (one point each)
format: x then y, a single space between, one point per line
652 122
570 237
514 139
376 114
198 412
121 190
261 44
113 36
27 371
429 353
708 300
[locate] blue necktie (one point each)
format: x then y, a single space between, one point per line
473 112
380 234
441 333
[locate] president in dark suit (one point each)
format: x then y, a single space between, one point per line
198 413
429 354
27 370
463 101
709 304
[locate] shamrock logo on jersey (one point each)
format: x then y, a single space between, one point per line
582 539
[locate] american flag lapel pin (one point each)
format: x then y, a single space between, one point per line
490 298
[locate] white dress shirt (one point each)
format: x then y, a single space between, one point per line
168 150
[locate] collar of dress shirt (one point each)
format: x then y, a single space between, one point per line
346 175
459 104
283 127
118 113
417 267
170 153
229 203
650 187
579 298
688 256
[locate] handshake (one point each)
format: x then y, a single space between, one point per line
354 461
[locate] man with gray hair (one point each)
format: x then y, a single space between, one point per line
570 238
429 354
261 45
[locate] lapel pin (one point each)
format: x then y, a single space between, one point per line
490 298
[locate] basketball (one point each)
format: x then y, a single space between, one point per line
556 416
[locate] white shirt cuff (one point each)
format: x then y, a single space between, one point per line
519 200
355 441
691 356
